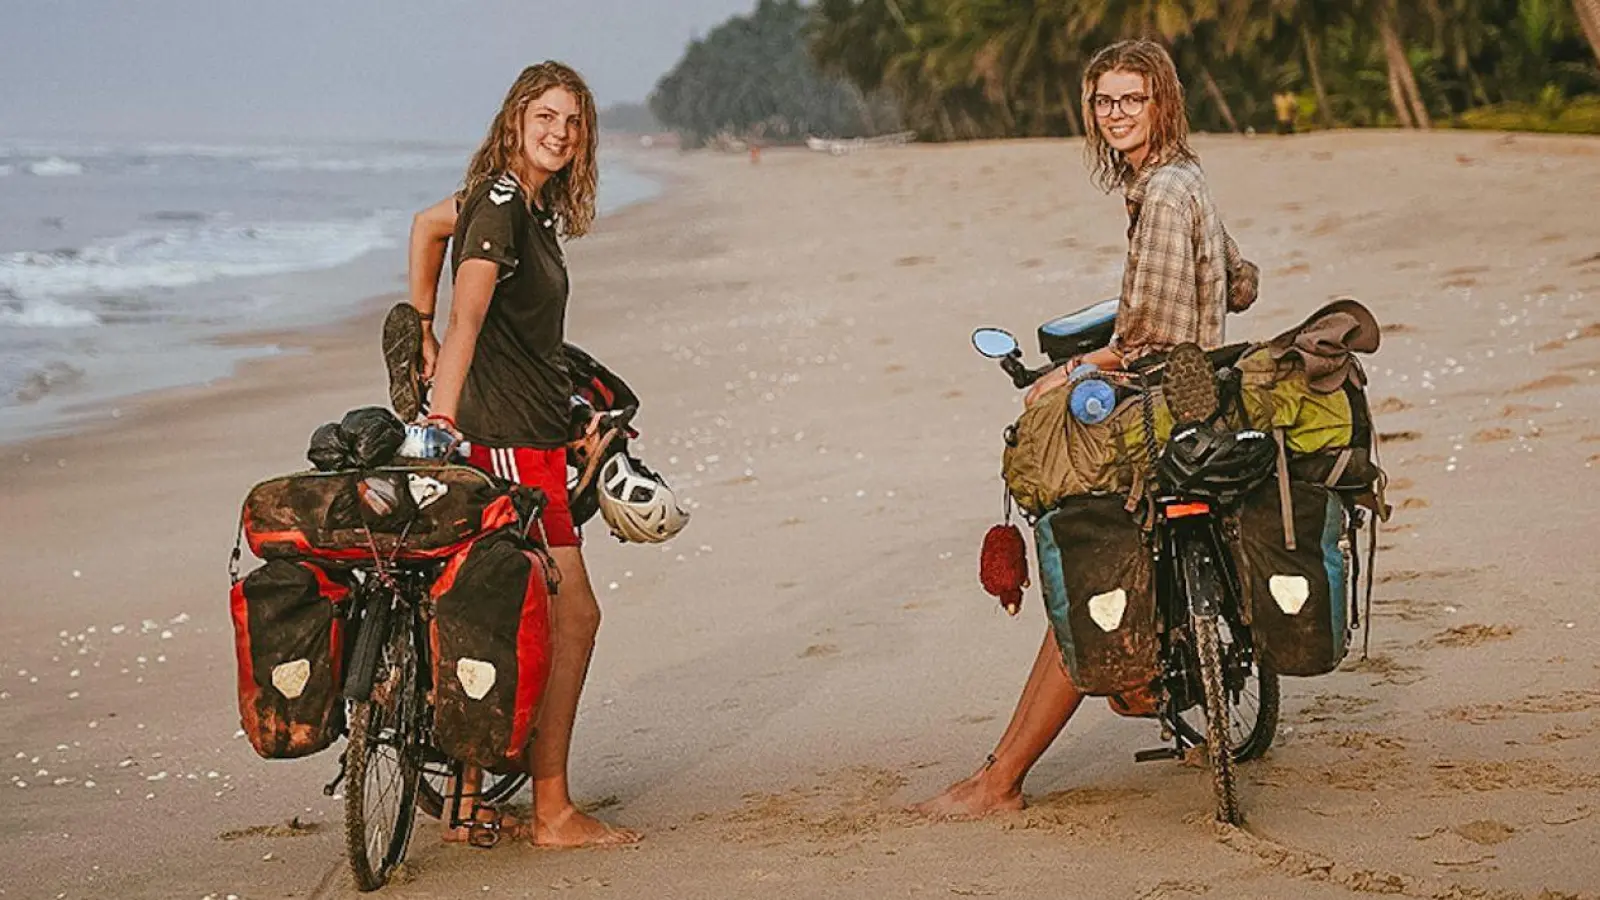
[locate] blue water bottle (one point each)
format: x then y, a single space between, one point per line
1093 400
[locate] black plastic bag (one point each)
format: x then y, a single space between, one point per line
328 451
373 434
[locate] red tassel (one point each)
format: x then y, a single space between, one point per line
1003 565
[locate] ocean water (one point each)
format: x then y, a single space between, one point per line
128 268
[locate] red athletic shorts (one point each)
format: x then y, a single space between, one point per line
544 469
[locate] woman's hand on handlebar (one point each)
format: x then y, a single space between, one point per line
1051 380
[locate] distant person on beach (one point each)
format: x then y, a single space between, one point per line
1283 104
1183 275
500 379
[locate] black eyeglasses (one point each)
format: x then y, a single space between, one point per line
1130 104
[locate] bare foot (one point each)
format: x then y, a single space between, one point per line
972 798
571 828
510 827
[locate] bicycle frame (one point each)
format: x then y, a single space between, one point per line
1182 523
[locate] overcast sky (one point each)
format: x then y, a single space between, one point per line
220 69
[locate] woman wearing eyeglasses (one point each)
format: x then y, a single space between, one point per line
1183 275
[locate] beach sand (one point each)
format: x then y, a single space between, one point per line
814 652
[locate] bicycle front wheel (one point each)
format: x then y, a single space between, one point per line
1218 747
381 765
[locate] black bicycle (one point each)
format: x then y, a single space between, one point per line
391 766
1212 690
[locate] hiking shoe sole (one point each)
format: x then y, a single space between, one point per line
402 356
1190 385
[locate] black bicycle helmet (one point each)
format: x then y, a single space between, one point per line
1200 461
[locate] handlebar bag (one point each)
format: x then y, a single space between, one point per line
440 509
1099 592
1298 599
289 640
490 638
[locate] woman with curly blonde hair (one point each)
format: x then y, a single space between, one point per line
500 379
1182 275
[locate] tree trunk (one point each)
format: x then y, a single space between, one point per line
1070 104
1402 81
1397 96
1324 110
1589 18
1216 97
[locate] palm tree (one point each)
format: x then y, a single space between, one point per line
1588 12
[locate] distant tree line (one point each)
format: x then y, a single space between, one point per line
955 69
753 76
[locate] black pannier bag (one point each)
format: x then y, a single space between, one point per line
490 638
289 639
1297 597
1099 592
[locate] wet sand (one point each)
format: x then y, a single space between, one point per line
814 652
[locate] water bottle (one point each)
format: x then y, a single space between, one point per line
425 442
1093 400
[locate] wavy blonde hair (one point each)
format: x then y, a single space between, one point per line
570 193
1169 120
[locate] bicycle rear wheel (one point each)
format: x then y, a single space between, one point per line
381 764
436 776
1252 693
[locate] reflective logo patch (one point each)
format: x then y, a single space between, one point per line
1290 592
290 678
425 490
476 677
1106 609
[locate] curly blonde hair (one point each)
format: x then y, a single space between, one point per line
570 193
1169 121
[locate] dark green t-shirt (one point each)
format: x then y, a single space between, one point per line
518 389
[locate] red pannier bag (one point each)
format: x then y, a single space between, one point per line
289 636
439 510
490 638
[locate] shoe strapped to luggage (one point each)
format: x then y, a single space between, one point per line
490 638
288 628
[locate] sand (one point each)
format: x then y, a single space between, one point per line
814 652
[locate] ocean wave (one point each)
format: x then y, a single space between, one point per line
43 313
55 167
173 259
380 164
49 378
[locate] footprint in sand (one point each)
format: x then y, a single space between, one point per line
1415 503
292 828
1398 437
1488 435
1471 635
1485 832
914 260
819 650
1543 384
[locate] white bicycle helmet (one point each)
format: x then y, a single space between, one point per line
636 503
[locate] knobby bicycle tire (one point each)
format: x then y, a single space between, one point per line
393 708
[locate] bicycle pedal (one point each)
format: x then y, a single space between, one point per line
1157 753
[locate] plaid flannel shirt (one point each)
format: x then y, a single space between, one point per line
1184 273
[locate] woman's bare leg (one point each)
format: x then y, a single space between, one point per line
575 616
1048 700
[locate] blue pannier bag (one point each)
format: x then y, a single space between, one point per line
1099 592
